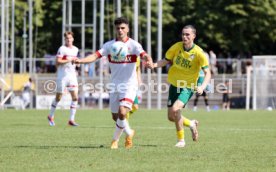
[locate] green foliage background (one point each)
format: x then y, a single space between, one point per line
225 26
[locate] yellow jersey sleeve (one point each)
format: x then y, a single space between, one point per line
172 51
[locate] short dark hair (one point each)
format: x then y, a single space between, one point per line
190 27
121 20
68 33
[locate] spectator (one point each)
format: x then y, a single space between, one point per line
225 96
220 64
229 68
26 93
213 62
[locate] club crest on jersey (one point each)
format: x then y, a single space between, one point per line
192 56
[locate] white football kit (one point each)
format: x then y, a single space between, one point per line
66 73
124 84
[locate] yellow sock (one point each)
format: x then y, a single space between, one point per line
131 112
186 122
180 134
127 115
133 109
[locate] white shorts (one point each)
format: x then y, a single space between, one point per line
122 98
67 83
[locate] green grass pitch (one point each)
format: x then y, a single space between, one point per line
234 140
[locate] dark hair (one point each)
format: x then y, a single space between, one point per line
121 20
68 33
190 27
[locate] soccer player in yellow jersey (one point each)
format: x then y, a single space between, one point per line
187 60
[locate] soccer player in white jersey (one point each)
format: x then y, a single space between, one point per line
123 78
66 77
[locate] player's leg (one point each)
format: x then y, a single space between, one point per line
114 106
195 102
121 125
184 97
175 113
73 108
224 101
134 108
73 89
228 104
53 109
204 94
123 122
60 90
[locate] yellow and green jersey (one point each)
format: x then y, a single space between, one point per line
186 65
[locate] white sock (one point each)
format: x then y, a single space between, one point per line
73 109
53 108
192 123
120 126
127 129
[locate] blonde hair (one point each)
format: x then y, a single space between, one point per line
68 33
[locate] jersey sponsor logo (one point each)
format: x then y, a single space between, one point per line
184 63
128 59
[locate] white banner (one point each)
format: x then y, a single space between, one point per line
44 101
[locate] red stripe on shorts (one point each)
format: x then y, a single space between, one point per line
127 100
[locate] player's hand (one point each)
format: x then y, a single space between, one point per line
74 61
154 65
149 64
77 61
199 90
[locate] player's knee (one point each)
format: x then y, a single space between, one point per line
174 111
171 118
58 99
122 116
114 116
75 99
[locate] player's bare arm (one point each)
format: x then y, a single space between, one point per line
60 60
206 80
88 59
160 63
